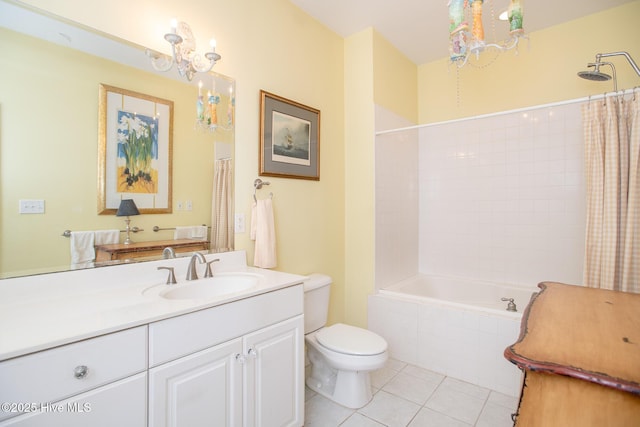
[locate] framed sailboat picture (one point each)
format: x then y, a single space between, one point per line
289 138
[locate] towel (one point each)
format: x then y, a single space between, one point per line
263 231
81 243
196 232
106 237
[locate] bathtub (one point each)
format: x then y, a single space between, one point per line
453 326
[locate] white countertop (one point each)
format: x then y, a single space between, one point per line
49 310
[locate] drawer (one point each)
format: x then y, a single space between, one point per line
55 374
122 404
182 335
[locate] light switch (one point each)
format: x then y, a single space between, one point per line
239 226
31 206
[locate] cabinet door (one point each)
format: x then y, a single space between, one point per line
274 375
202 389
122 404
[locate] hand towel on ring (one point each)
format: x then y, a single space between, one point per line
263 227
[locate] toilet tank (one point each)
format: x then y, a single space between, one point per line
317 289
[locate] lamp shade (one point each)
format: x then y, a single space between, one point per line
127 208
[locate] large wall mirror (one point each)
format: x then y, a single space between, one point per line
51 73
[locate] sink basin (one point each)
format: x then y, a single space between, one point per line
221 284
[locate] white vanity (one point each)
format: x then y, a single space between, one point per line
109 347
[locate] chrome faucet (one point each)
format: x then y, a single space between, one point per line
511 306
171 279
192 273
168 252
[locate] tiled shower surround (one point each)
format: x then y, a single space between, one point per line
499 198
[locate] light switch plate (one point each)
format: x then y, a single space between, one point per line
31 206
239 225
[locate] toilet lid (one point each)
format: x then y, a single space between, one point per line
351 340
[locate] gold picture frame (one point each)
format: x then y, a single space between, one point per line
135 151
289 138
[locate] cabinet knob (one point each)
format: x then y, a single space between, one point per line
252 353
240 358
80 372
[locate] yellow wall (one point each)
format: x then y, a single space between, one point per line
359 193
375 73
395 80
543 71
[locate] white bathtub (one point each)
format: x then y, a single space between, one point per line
463 293
453 326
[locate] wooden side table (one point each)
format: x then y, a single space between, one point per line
580 351
120 251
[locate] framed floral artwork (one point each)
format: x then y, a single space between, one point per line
135 151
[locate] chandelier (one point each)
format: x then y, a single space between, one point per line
207 110
183 53
465 40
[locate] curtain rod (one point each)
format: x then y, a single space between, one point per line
517 110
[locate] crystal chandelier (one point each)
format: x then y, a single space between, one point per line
183 53
465 40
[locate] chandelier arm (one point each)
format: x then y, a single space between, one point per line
198 62
160 62
511 43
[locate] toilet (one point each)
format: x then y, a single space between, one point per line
341 356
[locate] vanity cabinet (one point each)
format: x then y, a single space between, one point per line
204 388
98 382
274 376
239 364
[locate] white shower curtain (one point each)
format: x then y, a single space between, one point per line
612 163
222 207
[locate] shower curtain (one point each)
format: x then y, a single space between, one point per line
222 207
612 166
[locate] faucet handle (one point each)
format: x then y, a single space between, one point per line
511 306
208 272
171 279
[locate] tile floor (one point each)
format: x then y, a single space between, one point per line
405 395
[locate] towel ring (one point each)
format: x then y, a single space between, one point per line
257 185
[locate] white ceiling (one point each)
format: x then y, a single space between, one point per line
420 28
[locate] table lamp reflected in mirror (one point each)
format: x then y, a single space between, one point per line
127 208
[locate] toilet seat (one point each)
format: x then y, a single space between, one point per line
351 340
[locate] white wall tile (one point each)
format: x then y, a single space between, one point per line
396 202
495 216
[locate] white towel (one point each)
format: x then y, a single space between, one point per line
81 243
199 232
196 232
264 232
107 237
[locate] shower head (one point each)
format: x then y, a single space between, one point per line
595 74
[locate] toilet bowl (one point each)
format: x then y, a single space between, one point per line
340 356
